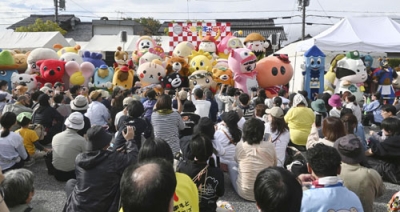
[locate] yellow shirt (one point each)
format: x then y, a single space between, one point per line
186 196
300 120
29 137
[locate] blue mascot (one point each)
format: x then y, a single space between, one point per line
314 71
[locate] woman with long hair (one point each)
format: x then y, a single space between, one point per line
166 122
12 150
279 131
228 135
332 129
261 97
49 117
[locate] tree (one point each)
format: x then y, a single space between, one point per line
40 26
150 25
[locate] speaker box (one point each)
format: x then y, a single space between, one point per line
124 36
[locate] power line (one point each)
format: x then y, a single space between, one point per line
324 10
84 8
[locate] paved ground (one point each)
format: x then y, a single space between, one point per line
50 194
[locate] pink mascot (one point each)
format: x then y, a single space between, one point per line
243 62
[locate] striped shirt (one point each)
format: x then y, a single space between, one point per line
166 127
248 111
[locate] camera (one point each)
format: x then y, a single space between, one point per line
254 89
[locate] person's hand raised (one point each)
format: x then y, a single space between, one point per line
130 133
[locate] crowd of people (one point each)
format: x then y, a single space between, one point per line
152 151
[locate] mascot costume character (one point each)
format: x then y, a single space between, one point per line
351 75
79 74
177 65
183 49
274 73
242 62
103 77
142 46
314 61
21 59
384 78
209 43
257 44
93 57
151 73
228 43
7 67
174 81
74 49
121 58
39 54
201 60
202 79
153 54
123 78
222 74
330 76
51 71
29 80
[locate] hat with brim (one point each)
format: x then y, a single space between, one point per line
79 103
98 138
75 121
276 112
318 106
335 101
23 115
94 95
350 149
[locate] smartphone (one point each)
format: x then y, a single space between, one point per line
318 120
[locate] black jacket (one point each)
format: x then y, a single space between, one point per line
98 174
46 115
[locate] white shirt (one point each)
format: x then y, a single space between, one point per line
202 107
356 111
117 117
227 155
280 141
98 114
12 150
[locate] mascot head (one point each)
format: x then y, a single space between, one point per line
145 43
242 60
351 68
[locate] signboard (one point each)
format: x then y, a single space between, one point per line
182 31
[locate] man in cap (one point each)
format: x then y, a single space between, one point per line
97 112
365 182
98 172
125 103
66 146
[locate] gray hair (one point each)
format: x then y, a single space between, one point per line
17 185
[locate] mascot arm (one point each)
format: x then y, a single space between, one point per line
237 77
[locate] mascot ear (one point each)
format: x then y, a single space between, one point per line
142 60
71 67
87 69
39 63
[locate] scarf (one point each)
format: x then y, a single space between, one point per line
164 111
325 182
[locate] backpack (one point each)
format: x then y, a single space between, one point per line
39 129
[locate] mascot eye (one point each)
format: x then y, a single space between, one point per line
73 59
32 79
3 73
148 43
179 52
194 82
45 68
159 74
244 54
232 42
144 72
58 68
20 78
193 63
201 63
319 61
274 71
207 81
358 70
177 76
169 80
62 59
33 65
142 44
312 61
283 70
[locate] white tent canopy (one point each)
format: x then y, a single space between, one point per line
31 40
104 43
365 34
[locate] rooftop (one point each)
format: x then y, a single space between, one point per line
64 20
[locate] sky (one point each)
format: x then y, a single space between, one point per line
318 12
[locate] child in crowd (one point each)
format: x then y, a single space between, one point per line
34 148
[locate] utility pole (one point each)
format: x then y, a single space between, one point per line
56 12
302 6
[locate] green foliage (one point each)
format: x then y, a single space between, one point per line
40 26
394 62
150 25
